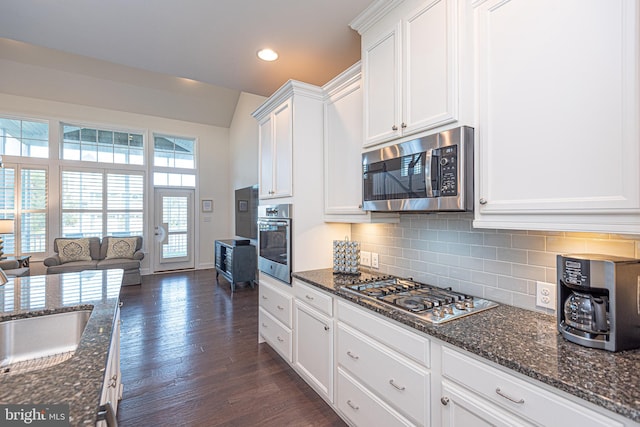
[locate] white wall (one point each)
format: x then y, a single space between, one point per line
243 145
213 156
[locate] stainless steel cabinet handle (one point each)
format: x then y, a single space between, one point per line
353 356
444 400
263 297
519 402
309 297
396 386
394 127
483 201
280 339
264 325
352 406
105 413
280 307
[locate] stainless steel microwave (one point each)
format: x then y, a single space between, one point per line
433 173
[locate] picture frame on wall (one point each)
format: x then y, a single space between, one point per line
207 205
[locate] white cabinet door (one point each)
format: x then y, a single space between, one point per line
112 386
267 157
558 108
430 52
410 70
276 153
381 62
343 151
283 142
313 355
462 408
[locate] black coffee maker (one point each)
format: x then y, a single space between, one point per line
599 301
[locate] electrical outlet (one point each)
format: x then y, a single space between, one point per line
374 260
365 258
546 295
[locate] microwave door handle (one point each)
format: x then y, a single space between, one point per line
428 164
434 173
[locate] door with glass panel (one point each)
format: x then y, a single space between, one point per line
173 229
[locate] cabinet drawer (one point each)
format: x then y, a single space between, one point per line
361 407
276 303
407 343
397 380
522 398
275 334
313 297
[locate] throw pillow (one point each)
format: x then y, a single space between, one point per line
73 250
121 247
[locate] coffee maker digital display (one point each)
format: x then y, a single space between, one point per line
598 301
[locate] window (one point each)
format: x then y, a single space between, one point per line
24 138
30 213
7 205
101 145
173 152
170 155
33 211
100 203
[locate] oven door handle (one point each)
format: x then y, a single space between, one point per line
278 223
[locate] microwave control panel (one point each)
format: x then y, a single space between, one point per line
448 170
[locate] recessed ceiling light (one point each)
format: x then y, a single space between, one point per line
267 55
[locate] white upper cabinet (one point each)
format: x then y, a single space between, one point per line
558 106
410 67
343 151
276 145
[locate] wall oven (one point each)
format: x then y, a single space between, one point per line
274 241
431 173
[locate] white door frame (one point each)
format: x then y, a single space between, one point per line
162 232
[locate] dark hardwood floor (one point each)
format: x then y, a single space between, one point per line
190 357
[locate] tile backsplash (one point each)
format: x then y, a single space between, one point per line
501 265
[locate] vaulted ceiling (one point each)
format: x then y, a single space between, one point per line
210 41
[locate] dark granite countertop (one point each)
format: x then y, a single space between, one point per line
524 341
77 381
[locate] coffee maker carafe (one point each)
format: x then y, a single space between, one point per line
598 301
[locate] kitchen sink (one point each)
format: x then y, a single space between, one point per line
40 342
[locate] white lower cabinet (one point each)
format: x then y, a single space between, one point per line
379 368
376 372
516 399
275 319
313 356
363 408
463 408
112 386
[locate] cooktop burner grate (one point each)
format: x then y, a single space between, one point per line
436 305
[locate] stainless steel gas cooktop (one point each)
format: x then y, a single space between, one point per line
436 305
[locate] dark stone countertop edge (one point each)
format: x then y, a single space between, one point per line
486 345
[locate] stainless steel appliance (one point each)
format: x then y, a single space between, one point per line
598 302
431 173
433 304
274 241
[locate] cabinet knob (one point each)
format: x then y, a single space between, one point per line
403 125
444 400
326 328
483 201
394 127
